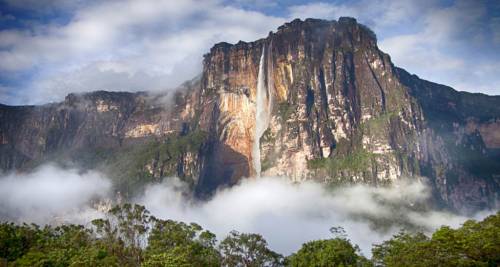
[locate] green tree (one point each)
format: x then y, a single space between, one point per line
328 252
404 249
176 257
240 249
129 236
16 240
481 240
174 243
124 233
66 245
473 244
337 251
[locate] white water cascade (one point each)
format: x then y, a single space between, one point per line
262 113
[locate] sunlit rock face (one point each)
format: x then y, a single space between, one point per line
333 95
336 110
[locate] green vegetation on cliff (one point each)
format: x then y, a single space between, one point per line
134 166
285 110
378 125
355 162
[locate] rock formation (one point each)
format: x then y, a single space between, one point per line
315 100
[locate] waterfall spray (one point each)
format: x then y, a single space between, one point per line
262 112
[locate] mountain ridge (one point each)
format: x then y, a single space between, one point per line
339 111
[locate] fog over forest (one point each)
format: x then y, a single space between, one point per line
286 214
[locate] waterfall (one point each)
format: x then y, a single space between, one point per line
262 112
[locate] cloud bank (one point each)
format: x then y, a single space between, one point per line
286 214
51 195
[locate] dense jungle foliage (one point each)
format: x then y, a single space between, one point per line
130 236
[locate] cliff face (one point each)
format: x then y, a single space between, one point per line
461 142
315 100
123 134
338 111
333 96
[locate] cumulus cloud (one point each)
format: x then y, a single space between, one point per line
446 48
378 14
51 194
288 214
156 45
125 45
452 43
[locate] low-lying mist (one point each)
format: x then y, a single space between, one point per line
51 194
286 214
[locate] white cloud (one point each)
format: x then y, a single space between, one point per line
436 41
288 214
439 53
154 45
51 194
376 14
148 44
416 52
322 10
482 82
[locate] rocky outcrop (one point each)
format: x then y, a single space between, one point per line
342 113
113 131
333 106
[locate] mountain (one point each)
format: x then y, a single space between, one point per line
315 100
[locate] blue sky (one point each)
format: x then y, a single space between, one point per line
49 48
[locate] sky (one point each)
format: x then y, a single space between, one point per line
49 48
